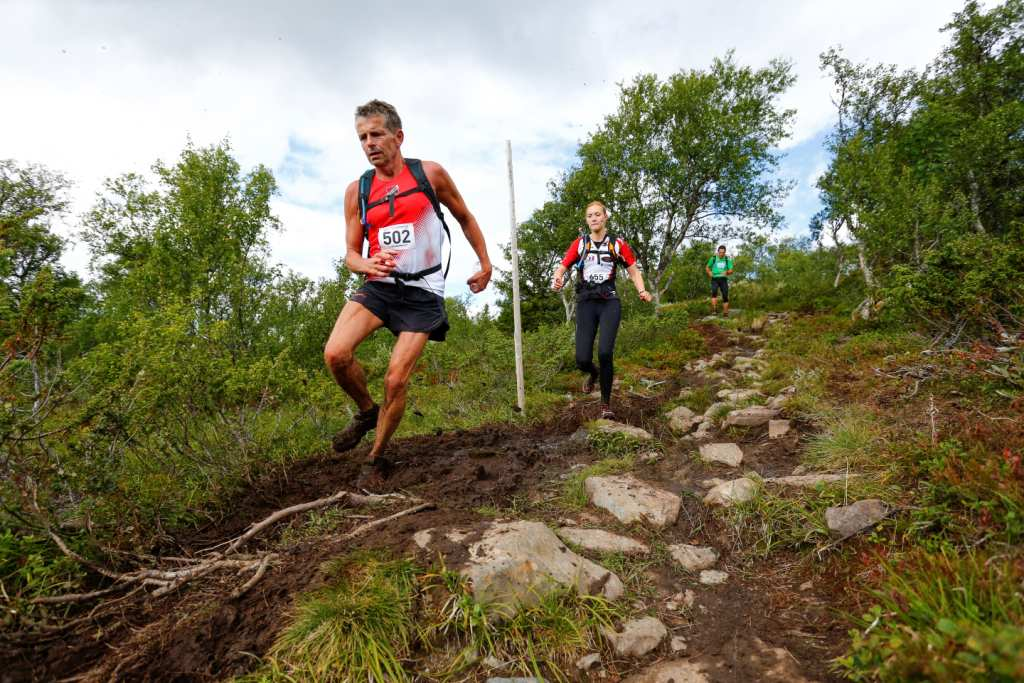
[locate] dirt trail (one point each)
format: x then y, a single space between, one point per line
200 634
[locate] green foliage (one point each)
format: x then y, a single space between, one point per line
31 567
359 628
942 617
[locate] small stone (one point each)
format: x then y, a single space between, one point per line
612 427
647 457
682 419
713 482
423 538
689 597
737 395
492 662
754 416
799 470
731 492
676 671
677 644
631 500
638 637
742 363
715 408
713 577
758 324
601 541
806 585
518 679
725 453
778 428
588 662
705 430
847 520
693 558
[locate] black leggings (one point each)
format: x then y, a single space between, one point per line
591 314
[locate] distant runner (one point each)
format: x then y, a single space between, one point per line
597 256
719 268
395 208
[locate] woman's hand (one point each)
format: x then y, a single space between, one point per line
646 296
558 281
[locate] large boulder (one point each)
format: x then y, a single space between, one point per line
724 453
731 492
846 520
693 558
517 563
631 500
601 541
682 419
638 637
754 416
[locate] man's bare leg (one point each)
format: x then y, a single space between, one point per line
355 323
404 355
714 305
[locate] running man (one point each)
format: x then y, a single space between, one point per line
394 207
719 268
597 256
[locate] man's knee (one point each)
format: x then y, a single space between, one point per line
395 384
338 357
605 357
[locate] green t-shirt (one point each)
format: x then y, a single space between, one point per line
718 266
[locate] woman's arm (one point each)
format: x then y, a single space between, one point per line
638 281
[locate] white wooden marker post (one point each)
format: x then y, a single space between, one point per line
516 315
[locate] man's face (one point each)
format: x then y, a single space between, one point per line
380 145
721 253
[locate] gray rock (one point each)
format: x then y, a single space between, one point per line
737 395
693 558
713 577
638 637
613 427
778 428
705 430
716 408
731 492
847 520
588 662
676 671
631 500
725 453
682 419
754 416
517 563
647 457
517 679
677 644
742 363
712 482
777 402
601 541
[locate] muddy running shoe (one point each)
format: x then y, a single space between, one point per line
589 383
606 412
373 475
350 436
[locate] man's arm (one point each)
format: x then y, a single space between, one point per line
449 195
380 264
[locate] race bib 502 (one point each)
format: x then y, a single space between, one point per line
398 237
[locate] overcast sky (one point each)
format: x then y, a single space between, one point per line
94 89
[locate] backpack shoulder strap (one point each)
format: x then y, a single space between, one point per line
582 251
365 183
424 186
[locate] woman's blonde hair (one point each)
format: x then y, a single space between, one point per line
596 203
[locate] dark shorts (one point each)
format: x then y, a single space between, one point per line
720 284
403 308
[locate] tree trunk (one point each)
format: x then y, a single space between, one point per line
869 277
839 269
975 204
568 303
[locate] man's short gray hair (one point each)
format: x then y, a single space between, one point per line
381 108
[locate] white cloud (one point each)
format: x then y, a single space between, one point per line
95 89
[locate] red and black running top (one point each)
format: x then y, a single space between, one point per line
600 261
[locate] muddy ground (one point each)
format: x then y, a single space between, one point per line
201 634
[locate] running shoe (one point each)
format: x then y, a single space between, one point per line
350 436
606 412
589 383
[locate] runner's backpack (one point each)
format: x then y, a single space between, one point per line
422 185
585 248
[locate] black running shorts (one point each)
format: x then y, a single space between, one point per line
720 284
405 309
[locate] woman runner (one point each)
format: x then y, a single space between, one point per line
597 305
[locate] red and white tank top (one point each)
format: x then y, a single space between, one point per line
407 226
599 264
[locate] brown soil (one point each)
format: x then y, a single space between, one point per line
201 634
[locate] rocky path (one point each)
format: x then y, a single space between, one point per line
654 537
